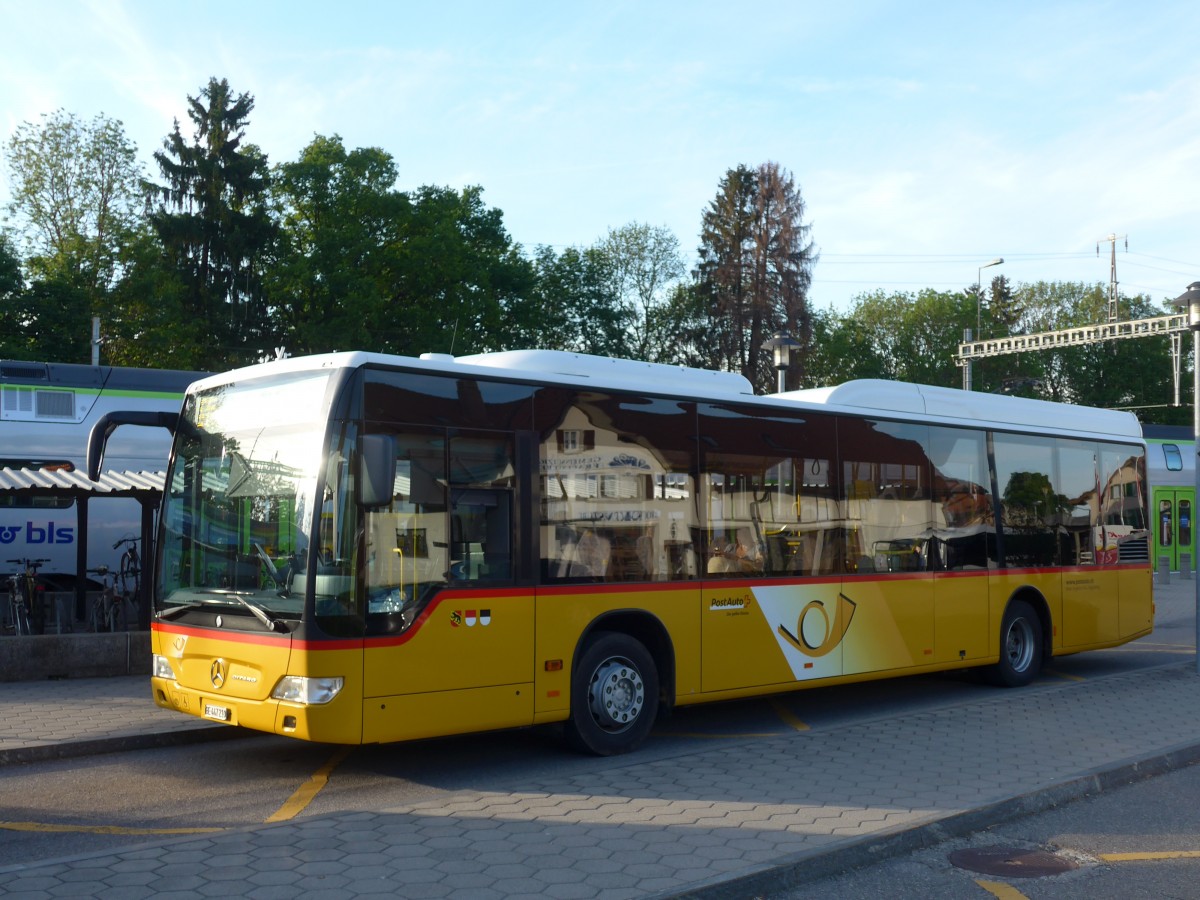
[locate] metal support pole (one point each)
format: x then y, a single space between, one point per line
1196 450
1189 303
967 373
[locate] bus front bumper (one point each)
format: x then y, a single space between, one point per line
328 721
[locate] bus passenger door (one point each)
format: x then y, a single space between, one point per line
887 498
450 636
963 552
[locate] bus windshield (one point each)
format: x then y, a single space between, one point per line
240 497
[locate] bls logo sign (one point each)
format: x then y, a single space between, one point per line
38 534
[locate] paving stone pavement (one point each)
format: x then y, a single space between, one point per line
81 716
733 820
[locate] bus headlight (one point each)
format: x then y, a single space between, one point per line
308 691
160 667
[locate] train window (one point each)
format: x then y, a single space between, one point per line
1173 457
28 501
38 465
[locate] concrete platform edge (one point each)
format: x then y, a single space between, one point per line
120 743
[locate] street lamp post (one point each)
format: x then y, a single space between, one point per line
1189 302
979 295
780 346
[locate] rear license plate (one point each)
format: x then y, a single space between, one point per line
220 713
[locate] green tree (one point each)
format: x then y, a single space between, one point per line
683 322
340 253
12 284
47 320
462 281
755 267
573 304
361 265
212 221
899 336
843 348
76 197
1003 308
149 323
647 265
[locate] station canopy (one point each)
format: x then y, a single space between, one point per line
144 486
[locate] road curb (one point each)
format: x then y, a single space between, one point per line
795 871
120 743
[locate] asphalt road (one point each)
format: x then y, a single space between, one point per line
1142 840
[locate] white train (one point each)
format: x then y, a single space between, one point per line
46 413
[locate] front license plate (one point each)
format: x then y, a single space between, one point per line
220 713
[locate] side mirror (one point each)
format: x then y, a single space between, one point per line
376 470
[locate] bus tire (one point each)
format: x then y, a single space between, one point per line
614 696
1020 647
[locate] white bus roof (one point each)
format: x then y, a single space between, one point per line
951 405
554 366
934 405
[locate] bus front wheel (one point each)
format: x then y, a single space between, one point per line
614 696
1020 647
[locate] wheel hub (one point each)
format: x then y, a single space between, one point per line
617 694
1020 645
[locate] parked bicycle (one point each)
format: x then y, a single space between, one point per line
16 616
105 614
129 576
27 612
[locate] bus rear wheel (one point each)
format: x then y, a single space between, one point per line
614 696
1020 647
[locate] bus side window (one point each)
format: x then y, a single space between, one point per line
617 489
964 518
482 477
886 491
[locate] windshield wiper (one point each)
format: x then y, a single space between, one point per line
176 611
272 623
259 613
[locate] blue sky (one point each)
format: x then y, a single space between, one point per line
926 138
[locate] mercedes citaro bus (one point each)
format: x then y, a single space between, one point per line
360 548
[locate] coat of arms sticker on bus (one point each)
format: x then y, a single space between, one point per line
470 617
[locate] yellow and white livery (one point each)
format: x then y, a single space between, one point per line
363 548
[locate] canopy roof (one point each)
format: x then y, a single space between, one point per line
59 483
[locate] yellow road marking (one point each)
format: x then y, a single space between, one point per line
1139 857
1001 890
304 794
293 807
47 828
1063 675
788 716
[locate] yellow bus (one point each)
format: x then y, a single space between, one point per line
360 548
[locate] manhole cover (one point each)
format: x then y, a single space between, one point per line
1012 862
